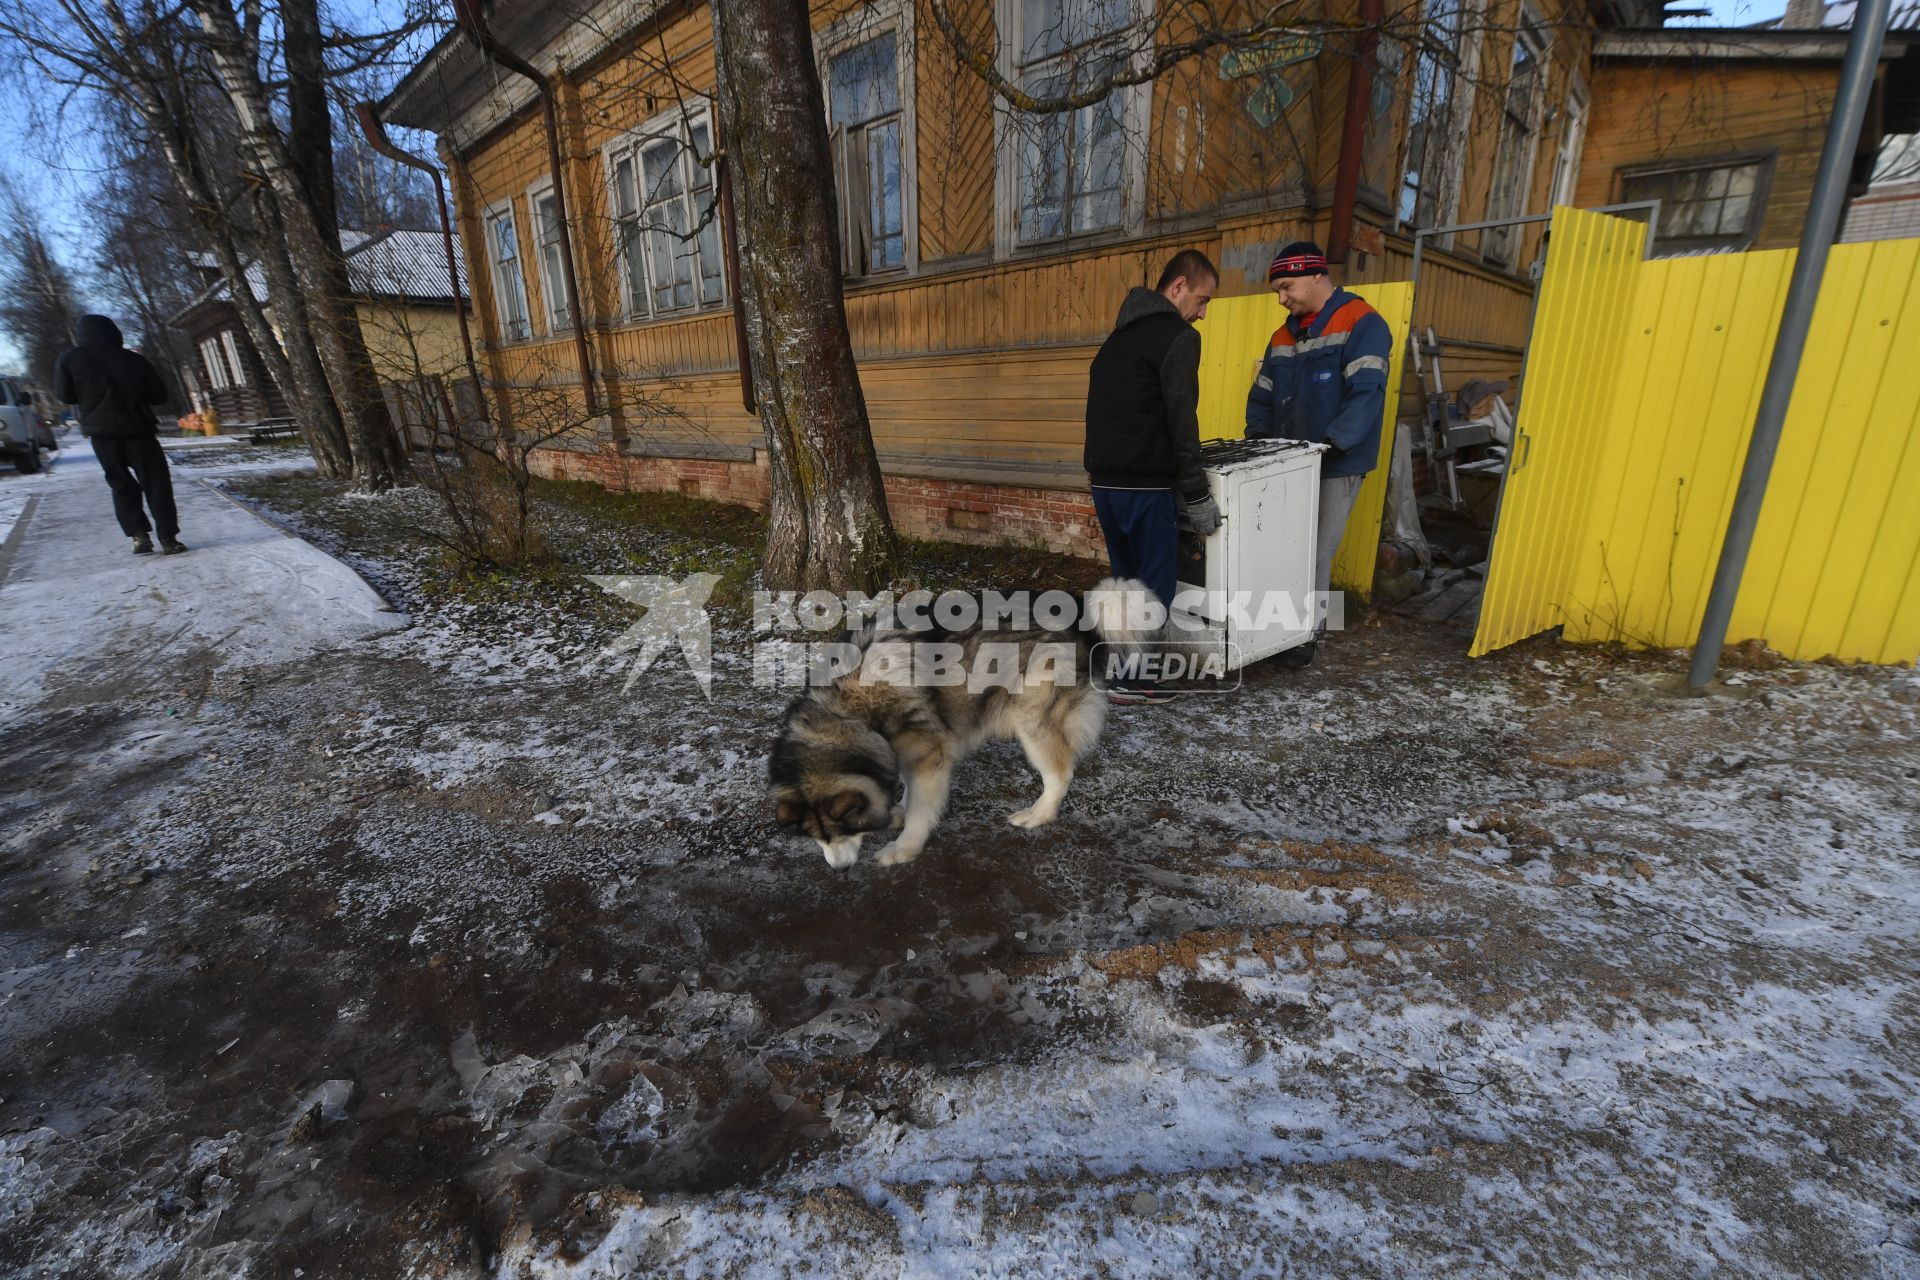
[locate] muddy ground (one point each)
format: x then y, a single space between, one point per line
440 955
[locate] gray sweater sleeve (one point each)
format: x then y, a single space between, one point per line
1180 388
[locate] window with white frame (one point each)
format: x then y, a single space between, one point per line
509 286
1573 137
866 69
1429 182
1519 136
667 216
1071 173
210 355
1704 204
553 263
232 349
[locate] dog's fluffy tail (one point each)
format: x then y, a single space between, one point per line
1125 612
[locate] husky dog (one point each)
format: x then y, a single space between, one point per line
845 746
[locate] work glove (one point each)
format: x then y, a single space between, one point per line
1202 517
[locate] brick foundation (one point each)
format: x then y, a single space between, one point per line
1058 520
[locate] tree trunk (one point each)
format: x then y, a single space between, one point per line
314 250
150 91
827 526
309 388
309 120
300 379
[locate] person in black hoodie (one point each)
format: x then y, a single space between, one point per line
113 391
1143 432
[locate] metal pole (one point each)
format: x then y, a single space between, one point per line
1796 318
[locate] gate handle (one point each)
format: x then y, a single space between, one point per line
1526 451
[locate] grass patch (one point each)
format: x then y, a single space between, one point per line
591 530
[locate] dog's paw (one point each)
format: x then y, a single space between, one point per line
1033 816
897 854
841 859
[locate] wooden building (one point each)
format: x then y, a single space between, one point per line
1725 127
986 252
405 304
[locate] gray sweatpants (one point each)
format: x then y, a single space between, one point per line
1336 504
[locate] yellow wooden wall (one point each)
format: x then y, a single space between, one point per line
1658 112
1646 377
410 342
1011 338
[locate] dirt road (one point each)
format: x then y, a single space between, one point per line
429 952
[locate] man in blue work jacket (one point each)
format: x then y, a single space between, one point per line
1324 380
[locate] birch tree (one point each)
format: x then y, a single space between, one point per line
145 82
306 220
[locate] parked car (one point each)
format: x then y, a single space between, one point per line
23 433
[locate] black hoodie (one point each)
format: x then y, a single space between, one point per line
111 388
1143 393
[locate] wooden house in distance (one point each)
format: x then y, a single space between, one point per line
403 298
226 374
1725 126
985 253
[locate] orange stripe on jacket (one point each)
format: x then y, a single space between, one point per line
1351 313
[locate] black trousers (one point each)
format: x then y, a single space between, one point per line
137 466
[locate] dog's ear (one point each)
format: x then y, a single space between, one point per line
845 805
786 812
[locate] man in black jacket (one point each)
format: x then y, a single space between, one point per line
1143 430
113 391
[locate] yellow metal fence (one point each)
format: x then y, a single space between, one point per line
1642 383
1233 342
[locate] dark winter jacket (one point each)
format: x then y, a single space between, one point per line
1143 399
113 390
1326 381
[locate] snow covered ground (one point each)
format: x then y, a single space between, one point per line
85 616
429 952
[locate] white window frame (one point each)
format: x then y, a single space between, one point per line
1508 237
553 291
232 348
1466 78
488 216
1573 140
870 22
677 123
216 363
1136 119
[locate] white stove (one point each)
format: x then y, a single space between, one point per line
1261 556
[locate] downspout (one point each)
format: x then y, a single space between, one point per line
731 237
1353 134
370 124
468 18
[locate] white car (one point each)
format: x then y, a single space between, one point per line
23 432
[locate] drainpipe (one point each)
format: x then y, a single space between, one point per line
468 18
377 138
1353 135
732 238
1796 319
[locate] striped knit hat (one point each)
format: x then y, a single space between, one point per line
1301 258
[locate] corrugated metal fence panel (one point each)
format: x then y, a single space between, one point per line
1560 442
1658 443
1359 550
1233 342
1835 568
1687 373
